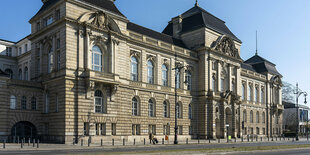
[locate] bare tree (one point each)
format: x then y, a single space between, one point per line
288 92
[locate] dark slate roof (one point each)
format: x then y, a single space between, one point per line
261 65
196 18
104 4
154 34
248 67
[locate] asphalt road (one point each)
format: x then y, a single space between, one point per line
85 150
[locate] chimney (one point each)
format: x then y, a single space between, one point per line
177 26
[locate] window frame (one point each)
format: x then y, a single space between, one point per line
99 97
150 72
135 107
134 68
23 103
97 55
164 75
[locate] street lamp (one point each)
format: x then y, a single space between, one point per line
298 93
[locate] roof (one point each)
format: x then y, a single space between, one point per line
196 18
154 34
7 41
104 4
288 105
261 65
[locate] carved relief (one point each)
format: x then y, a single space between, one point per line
151 57
226 46
135 53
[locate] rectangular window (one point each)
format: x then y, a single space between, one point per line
57 14
257 131
97 129
58 60
152 129
19 51
222 85
9 51
103 129
86 128
190 130
180 131
58 43
48 20
264 131
166 130
56 102
113 129
38 26
136 129
26 48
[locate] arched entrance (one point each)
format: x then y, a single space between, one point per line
24 130
229 122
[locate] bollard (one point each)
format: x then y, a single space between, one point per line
242 139
307 137
280 138
4 144
268 139
101 142
271 138
198 140
219 140
261 139
88 142
163 141
82 142
252 138
21 144
17 139
276 138
113 142
288 138
33 142
28 141
144 141
124 142
134 141
38 141
209 140
227 139
248 138
186 140
256 138
235 140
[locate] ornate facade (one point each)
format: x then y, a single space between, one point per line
92 73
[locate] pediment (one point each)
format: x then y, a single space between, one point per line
100 20
226 45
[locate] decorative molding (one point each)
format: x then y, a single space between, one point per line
226 46
135 53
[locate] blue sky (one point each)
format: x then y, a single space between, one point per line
283 26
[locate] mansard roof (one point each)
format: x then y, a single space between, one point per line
154 34
260 65
196 18
104 4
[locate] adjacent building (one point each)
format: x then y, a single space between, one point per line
87 71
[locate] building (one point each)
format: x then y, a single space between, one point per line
93 73
290 120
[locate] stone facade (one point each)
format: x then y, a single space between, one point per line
62 89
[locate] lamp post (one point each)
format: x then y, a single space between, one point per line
298 93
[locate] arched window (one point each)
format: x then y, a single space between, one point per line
249 93
99 106
213 83
257 117
178 78
263 117
189 111
12 102
20 74
244 116
26 73
150 72
96 59
135 107
166 109
243 91
151 108
251 117
24 103
262 96
33 103
164 75
179 110
50 62
189 80
10 72
134 69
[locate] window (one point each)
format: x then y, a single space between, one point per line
33 103
151 108
249 93
213 83
164 75
50 60
136 129
251 117
26 48
103 129
134 69
48 20
57 14
9 51
233 86
46 110
113 129
26 73
179 110
189 80
150 72
263 117
166 109
257 130
178 78
152 129
96 59
243 91
58 43
24 103
58 60
86 128
256 95
97 129
222 84
19 51
264 131
166 129
213 65
38 26
56 102
262 96
189 111
12 102
135 107
20 74
10 72
190 130
99 107
257 117
244 116
180 131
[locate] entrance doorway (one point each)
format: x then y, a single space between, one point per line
24 130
